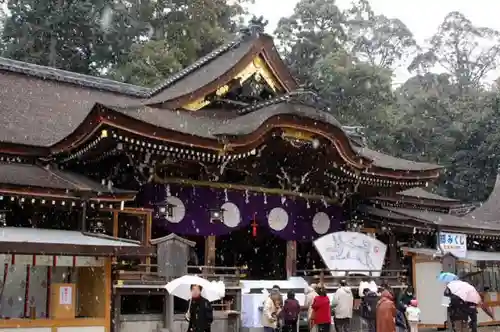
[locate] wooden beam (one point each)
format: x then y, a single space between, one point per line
115 224
60 249
149 222
108 282
147 242
291 258
238 187
117 308
210 250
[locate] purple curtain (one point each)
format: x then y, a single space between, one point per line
291 218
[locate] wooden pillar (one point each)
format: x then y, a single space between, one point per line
291 258
115 224
168 310
147 241
394 259
209 253
117 308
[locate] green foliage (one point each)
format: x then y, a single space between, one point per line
179 33
445 118
149 63
67 34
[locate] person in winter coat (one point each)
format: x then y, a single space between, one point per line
406 296
386 313
368 309
310 293
413 315
290 313
458 312
322 311
343 301
402 304
402 324
271 311
200 313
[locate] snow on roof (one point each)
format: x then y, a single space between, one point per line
55 236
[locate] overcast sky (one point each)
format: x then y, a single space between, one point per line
422 17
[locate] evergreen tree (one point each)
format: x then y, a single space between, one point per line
83 36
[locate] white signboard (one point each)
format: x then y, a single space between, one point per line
454 243
351 251
65 295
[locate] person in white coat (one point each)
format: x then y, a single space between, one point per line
310 293
343 301
271 311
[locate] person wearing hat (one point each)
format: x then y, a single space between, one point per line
271 310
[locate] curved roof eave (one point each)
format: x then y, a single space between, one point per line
240 132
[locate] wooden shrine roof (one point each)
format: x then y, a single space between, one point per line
250 121
424 194
486 217
489 210
46 112
383 160
20 240
42 105
200 73
34 179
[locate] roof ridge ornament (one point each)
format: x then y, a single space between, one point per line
255 27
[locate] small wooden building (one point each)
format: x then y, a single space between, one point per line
56 262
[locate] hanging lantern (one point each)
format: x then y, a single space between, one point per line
217 215
165 209
254 226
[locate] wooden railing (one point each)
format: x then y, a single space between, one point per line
148 274
393 278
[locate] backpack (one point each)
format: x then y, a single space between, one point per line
291 310
369 306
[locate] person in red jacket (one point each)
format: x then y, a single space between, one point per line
321 314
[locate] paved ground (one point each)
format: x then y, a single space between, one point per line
481 329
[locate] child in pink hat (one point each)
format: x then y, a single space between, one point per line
413 315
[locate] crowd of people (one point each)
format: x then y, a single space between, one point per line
379 310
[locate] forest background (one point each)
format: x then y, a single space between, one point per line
348 56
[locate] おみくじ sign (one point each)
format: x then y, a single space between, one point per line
453 243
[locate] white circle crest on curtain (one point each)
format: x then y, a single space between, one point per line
231 213
178 210
321 223
278 219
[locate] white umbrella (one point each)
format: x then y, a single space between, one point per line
181 287
220 287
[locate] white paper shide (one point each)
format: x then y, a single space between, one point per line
356 253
